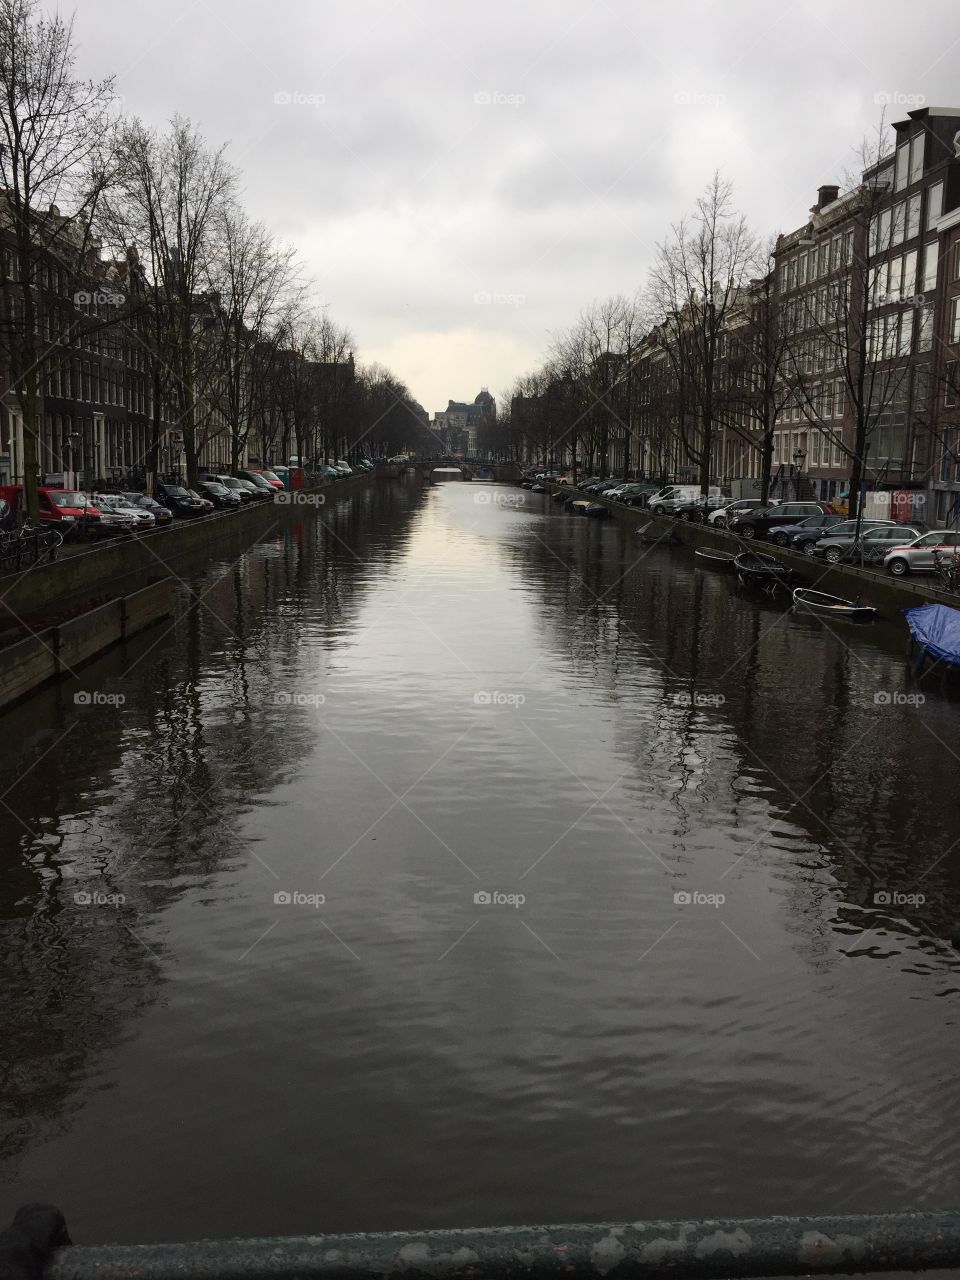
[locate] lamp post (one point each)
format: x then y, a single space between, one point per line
71 442
798 457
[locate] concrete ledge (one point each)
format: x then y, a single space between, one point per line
88 634
26 666
877 588
58 651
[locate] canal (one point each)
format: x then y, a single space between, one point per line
457 862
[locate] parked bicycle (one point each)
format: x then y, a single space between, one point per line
946 565
27 546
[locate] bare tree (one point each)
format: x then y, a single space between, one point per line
254 280
696 281
174 189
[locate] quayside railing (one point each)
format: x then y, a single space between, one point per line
727 1248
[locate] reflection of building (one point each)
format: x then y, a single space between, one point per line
461 426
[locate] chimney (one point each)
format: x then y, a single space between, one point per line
825 196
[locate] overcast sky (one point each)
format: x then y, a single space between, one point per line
462 178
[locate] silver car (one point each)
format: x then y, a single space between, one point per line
918 556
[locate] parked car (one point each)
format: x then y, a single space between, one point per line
179 501
116 502
759 522
239 487
223 499
208 506
733 507
839 527
810 528
918 556
676 493
344 468
695 509
115 518
871 548
635 494
69 510
161 515
260 477
261 492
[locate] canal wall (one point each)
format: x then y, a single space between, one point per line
122 565
58 651
889 595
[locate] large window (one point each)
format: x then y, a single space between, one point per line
955 320
934 203
925 331
913 216
930 259
916 155
902 176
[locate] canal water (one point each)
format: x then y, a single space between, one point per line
456 861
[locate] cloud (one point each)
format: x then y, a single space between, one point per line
437 151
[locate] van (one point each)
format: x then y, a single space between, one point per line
676 493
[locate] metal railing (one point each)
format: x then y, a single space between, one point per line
737 1247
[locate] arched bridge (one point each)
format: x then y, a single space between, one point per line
502 472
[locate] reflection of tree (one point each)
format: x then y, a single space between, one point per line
868 788
146 802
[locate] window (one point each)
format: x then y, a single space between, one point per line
823 264
952 393
913 216
956 260
930 259
838 399
802 269
835 250
814 448
902 175
783 276
925 333
916 156
920 396
883 231
837 453
955 320
906 333
848 247
909 287
898 225
934 203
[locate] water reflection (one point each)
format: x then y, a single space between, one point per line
719 835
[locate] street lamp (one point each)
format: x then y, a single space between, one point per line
798 457
71 442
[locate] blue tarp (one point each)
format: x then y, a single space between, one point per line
936 628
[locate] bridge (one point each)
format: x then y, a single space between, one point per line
500 472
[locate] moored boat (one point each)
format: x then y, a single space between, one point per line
832 606
597 510
711 558
579 506
757 570
935 629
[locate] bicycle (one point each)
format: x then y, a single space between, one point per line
947 569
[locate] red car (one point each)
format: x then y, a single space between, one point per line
71 511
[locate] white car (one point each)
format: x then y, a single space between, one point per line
734 507
113 502
918 556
